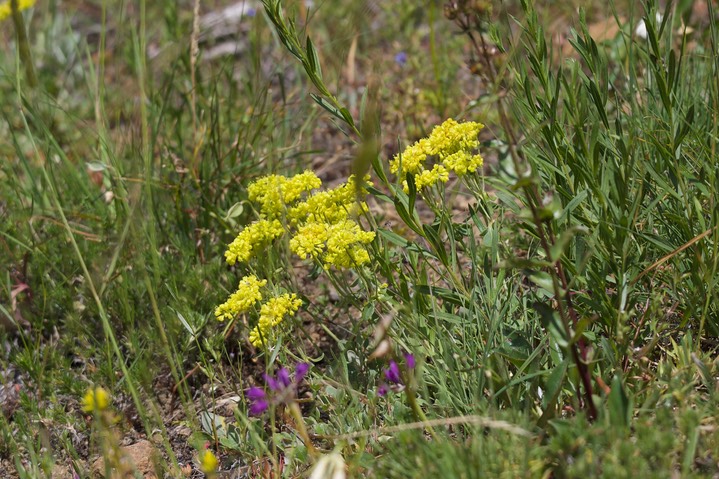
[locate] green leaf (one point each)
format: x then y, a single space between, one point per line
432 235
393 237
324 103
552 323
442 293
620 405
560 245
313 58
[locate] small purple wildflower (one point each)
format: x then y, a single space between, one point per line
382 390
393 376
409 359
392 373
301 371
400 58
258 401
283 378
282 389
251 12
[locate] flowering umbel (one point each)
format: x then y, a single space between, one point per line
272 313
281 389
453 146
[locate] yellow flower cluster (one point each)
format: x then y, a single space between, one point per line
325 228
274 192
320 225
247 294
6 9
329 206
95 400
338 244
252 238
272 313
208 462
452 143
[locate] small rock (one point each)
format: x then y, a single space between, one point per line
60 471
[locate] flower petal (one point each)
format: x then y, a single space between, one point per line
258 407
392 373
301 371
409 358
382 390
283 377
272 383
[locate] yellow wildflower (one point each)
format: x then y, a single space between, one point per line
451 136
208 462
252 238
6 10
412 159
344 245
275 192
272 313
452 144
310 240
329 206
463 162
426 178
247 294
338 244
95 400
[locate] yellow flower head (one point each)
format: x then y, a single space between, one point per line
329 206
345 245
338 244
208 462
272 313
452 144
275 192
310 240
247 294
95 400
425 178
251 239
6 10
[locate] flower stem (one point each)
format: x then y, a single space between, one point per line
301 429
23 44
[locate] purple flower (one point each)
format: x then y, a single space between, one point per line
250 12
301 371
392 373
400 58
258 401
409 359
282 389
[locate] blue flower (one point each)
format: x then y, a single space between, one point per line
400 58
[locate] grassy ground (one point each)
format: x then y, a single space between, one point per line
558 302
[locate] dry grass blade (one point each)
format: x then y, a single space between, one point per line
669 256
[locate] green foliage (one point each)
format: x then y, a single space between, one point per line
560 304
